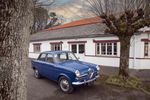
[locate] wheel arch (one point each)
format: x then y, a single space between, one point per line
63 75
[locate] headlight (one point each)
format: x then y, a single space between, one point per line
77 73
97 67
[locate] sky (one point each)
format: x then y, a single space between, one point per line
71 10
63 2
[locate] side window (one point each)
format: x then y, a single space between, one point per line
50 58
42 57
63 56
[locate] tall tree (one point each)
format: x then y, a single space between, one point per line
123 18
40 14
40 19
15 23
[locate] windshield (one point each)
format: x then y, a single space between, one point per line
64 57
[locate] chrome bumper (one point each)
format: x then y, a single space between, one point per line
88 81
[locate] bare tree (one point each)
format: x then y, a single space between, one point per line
15 22
123 18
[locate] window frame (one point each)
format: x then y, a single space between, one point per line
100 45
54 46
35 48
47 58
144 41
77 47
80 48
41 55
76 51
146 49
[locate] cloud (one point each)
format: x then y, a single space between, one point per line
72 10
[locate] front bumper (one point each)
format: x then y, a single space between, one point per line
86 81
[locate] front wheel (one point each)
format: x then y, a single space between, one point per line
65 85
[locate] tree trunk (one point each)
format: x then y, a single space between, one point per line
15 21
124 57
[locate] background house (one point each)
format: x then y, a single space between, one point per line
86 38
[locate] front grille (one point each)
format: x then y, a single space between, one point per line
88 75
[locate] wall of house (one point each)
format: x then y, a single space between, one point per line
137 59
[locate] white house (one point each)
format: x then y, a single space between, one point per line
86 38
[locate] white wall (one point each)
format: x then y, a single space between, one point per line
137 60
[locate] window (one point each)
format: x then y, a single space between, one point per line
115 48
81 48
97 48
74 48
42 57
64 57
103 48
50 58
56 47
37 47
78 48
146 49
109 48
106 48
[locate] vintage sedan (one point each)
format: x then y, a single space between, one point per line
64 68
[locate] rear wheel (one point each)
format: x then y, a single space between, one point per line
65 85
37 74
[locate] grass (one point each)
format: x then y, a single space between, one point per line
131 82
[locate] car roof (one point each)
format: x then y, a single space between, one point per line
56 52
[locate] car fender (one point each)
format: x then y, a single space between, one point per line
62 74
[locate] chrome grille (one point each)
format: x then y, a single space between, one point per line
90 73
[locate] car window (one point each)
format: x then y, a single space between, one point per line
50 58
64 57
42 57
71 56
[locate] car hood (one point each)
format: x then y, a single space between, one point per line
77 65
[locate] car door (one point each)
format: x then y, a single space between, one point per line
50 67
41 64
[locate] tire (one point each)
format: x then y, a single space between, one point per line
65 85
37 74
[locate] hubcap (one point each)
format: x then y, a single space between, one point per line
64 84
36 73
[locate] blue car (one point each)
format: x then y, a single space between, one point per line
64 68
